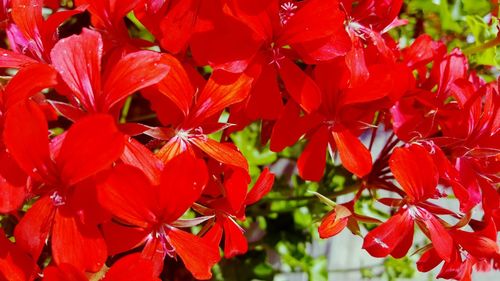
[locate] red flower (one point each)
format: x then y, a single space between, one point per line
31 36
395 236
12 178
151 211
78 61
61 173
199 113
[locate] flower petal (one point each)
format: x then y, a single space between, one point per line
355 157
23 85
33 229
91 145
133 72
132 268
221 152
80 245
182 181
189 247
383 240
221 91
176 85
235 242
28 144
15 263
261 187
78 61
128 194
312 160
299 85
419 184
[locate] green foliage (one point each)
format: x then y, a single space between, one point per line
399 268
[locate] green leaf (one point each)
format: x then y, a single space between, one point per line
476 7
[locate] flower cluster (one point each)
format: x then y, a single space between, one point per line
92 186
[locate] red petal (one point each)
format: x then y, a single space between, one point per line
178 24
172 148
27 14
441 239
312 161
265 99
355 157
299 85
220 92
139 156
261 187
189 247
221 152
355 60
28 144
325 49
291 126
11 197
182 181
128 194
33 229
177 86
23 85
80 245
334 222
49 28
235 188
421 183
377 86
476 244
63 272
91 145
155 251
383 240
14 60
133 72
78 61
120 238
66 110
421 52
429 260
315 19
223 41
235 242
14 263
132 268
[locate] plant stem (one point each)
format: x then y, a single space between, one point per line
346 190
476 49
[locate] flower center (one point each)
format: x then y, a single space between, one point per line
287 11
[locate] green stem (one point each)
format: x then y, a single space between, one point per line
476 49
346 190
125 110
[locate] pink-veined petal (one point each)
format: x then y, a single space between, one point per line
78 61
